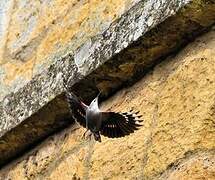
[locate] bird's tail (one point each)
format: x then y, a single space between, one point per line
97 136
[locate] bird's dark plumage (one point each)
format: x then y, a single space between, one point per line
78 108
109 124
119 124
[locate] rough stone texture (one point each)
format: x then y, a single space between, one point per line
34 32
133 62
51 118
177 140
24 105
200 165
33 106
39 32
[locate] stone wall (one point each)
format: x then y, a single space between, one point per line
106 45
176 141
37 57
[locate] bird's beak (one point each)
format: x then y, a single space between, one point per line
97 97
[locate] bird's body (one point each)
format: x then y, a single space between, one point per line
110 124
93 122
93 116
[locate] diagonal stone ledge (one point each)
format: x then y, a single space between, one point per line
39 108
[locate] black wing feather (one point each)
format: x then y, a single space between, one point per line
119 124
78 108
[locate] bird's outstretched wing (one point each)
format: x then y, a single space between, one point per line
119 124
77 107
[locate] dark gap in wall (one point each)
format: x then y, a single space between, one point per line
110 77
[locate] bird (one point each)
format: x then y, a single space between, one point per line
107 123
